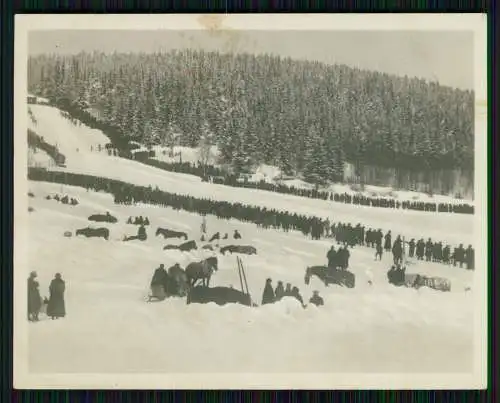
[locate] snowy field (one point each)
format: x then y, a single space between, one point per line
110 328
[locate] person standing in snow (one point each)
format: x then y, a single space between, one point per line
316 299
411 252
331 257
56 307
34 299
379 251
297 296
280 291
268 294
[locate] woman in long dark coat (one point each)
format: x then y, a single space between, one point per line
268 294
56 307
34 299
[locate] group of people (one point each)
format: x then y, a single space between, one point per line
314 227
55 303
270 295
138 220
213 174
338 258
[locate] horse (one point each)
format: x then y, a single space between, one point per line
207 247
245 249
167 233
215 237
65 200
74 202
184 247
201 270
399 277
219 295
93 232
330 275
103 218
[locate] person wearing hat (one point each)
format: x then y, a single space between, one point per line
268 294
280 291
56 307
316 299
159 282
34 299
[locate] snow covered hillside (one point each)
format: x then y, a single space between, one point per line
57 129
110 328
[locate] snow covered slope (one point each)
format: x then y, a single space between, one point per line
58 130
110 328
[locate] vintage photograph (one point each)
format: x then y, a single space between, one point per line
211 201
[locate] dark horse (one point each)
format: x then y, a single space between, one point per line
219 295
201 271
103 218
93 232
248 250
215 237
183 247
330 275
167 233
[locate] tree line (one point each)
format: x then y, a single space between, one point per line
306 117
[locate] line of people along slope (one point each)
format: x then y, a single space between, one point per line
314 227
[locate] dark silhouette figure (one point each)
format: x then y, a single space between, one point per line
316 299
279 292
236 234
388 243
56 307
411 245
268 294
34 299
288 290
331 256
379 251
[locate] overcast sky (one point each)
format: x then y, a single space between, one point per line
446 57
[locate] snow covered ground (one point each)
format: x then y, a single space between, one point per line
110 328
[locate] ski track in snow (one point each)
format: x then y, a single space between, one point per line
111 329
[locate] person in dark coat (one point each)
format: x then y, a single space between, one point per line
331 256
388 241
34 299
279 292
56 307
297 296
141 233
288 290
159 283
420 249
469 258
379 251
268 294
316 299
412 245
428 250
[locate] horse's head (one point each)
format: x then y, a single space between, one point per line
157 231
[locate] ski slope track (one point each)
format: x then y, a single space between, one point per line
110 328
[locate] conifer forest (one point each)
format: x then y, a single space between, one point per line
325 123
